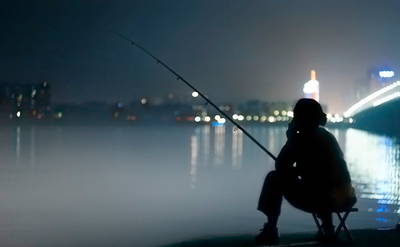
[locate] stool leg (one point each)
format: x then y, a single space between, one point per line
343 224
318 224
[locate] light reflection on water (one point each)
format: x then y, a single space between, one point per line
69 186
374 164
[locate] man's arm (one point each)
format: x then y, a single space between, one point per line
286 159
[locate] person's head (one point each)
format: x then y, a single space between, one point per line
308 114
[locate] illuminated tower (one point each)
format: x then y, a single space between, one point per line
311 88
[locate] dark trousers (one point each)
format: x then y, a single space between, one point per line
302 196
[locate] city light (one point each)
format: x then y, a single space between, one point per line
143 101
235 116
195 94
386 74
197 119
18 114
271 119
263 119
240 117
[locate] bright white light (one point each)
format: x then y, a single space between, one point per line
351 120
271 119
276 112
143 101
248 118
235 116
284 113
221 120
311 86
386 99
197 119
290 114
217 117
328 116
386 74
195 94
18 114
240 117
333 120
207 119
256 118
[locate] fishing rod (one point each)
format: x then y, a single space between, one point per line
194 89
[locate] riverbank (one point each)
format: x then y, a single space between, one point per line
383 237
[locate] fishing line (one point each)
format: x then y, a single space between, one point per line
178 77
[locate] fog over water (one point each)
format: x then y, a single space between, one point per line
150 186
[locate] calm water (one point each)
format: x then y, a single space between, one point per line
150 186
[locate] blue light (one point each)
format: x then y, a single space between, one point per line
120 105
381 219
386 74
216 124
381 209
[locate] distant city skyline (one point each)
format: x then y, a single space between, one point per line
230 50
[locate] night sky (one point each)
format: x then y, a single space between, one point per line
229 50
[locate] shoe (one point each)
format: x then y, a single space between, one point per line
268 235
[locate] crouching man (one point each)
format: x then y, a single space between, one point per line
310 173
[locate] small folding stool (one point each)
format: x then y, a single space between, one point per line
342 224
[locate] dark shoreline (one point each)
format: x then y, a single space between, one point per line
364 237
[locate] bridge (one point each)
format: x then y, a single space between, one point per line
379 111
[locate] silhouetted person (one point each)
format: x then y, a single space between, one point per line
310 172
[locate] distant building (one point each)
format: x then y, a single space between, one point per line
379 78
25 100
311 88
376 79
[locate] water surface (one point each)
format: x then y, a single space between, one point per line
150 186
